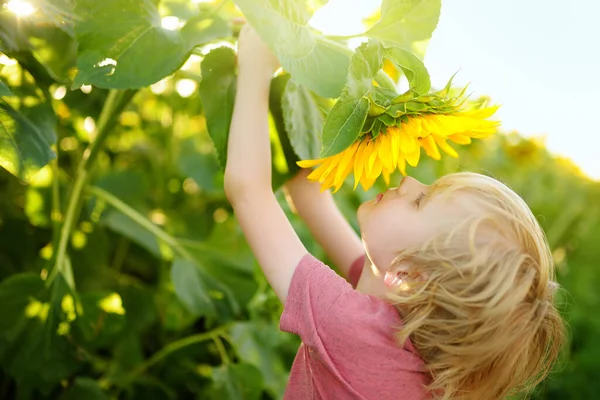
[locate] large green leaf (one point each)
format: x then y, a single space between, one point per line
406 21
236 382
84 388
414 69
217 91
314 61
122 44
120 223
25 138
57 12
27 353
5 90
348 115
191 288
303 120
276 90
256 344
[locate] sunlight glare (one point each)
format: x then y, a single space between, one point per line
327 18
20 8
170 23
7 61
89 125
221 43
159 87
108 61
112 304
186 87
60 92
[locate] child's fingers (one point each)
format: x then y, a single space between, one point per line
239 21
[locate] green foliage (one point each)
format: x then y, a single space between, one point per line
406 21
217 91
349 113
119 40
123 273
303 120
313 60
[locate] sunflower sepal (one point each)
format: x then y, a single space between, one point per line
368 125
375 109
387 120
377 127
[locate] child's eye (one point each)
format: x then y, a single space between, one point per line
419 198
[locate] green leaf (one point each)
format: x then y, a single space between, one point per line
343 125
276 90
191 288
314 61
122 44
122 224
256 344
217 91
5 90
57 12
384 80
25 139
348 115
202 168
84 388
27 352
102 321
406 21
303 120
413 67
236 382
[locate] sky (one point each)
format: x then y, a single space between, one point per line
539 59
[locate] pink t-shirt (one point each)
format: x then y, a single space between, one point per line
348 349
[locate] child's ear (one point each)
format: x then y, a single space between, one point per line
402 273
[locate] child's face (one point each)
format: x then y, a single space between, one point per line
404 217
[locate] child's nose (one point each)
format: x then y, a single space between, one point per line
410 184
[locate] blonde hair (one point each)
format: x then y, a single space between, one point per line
482 315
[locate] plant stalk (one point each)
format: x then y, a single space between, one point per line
174 346
114 104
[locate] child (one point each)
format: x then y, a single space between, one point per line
451 286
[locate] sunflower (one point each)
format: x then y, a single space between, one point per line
382 151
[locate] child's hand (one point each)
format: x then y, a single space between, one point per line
254 54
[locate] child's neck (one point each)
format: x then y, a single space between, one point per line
371 281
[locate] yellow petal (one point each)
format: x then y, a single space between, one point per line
407 142
371 152
328 182
367 182
413 158
386 175
309 163
359 164
482 113
385 150
376 169
345 166
430 147
395 145
460 138
402 165
445 146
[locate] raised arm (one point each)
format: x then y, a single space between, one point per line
248 172
325 221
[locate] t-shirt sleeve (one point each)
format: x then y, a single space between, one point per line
356 270
314 289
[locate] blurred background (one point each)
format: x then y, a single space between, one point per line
169 301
